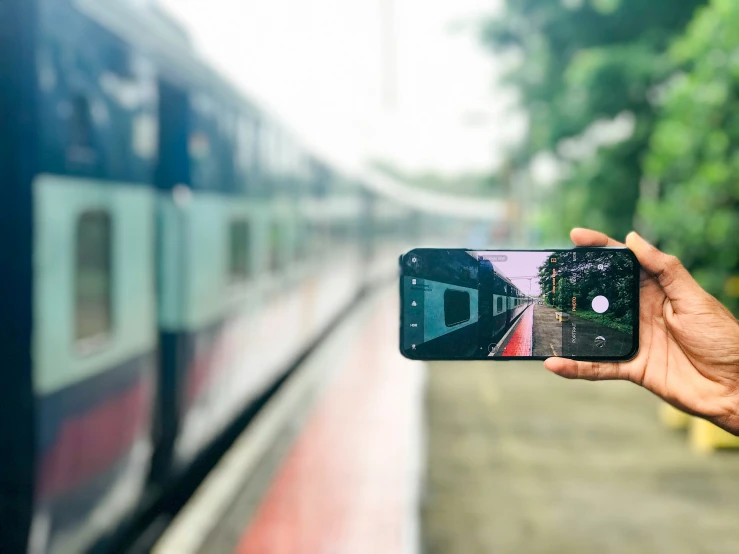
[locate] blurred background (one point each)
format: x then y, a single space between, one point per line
606 113
203 206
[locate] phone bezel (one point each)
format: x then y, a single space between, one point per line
636 291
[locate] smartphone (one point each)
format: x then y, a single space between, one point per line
459 304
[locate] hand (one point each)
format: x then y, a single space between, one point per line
688 341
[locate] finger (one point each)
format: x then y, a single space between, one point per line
670 274
588 237
591 371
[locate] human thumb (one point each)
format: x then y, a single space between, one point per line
672 276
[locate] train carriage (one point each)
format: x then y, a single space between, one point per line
447 295
501 304
157 280
468 306
79 314
169 251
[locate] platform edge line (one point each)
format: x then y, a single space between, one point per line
195 522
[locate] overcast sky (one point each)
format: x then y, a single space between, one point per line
519 267
319 65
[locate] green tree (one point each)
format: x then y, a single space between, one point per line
693 164
579 275
583 61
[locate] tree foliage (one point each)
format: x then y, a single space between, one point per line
583 61
693 162
674 66
579 274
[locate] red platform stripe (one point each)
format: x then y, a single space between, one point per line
521 342
348 483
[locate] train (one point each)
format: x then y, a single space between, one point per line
501 302
467 305
169 250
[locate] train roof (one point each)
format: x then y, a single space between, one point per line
488 210
154 32
507 281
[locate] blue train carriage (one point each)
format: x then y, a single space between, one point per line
235 301
394 230
350 232
231 345
440 289
227 238
79 332
147 207
501 303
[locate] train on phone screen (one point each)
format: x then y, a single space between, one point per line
501 302
455 304
169 251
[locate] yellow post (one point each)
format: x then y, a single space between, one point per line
672 417
705 437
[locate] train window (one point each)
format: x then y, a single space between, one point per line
117 60
500 304
456 307
269 146
81 123
93 294
239 265
275 246
246 145
302 240
321 238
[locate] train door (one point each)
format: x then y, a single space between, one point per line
486 301
205 259
172 177
507 305
17 151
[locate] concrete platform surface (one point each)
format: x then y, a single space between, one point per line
521 461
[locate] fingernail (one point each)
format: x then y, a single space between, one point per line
636 235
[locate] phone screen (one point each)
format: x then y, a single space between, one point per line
482 304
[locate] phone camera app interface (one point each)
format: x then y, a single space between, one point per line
460 304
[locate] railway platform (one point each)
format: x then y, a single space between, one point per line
523 461
332 465
542 331
362 451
